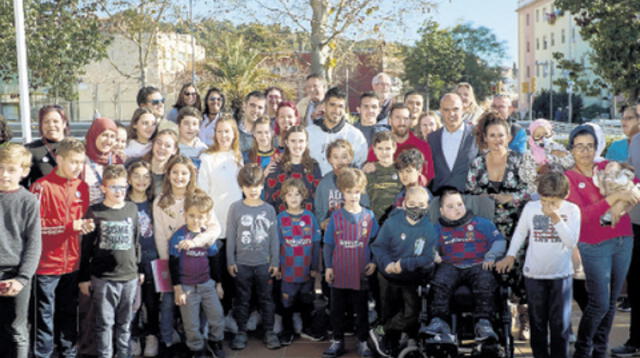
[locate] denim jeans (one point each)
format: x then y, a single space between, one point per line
550 316
202 297
247 278
14 335
605 267
633 289
114 311
56 298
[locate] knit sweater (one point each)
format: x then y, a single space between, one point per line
471 243
20 242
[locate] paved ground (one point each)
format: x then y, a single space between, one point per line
305 349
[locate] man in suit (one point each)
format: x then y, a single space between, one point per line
453 146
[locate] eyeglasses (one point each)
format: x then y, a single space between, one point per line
156 102
215 99
118 187
584 147
191 93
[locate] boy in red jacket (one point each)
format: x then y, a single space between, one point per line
64 200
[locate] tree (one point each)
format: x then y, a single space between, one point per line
612 29
62 37
541 103
435 63
483 53
326 21
138 21
237 69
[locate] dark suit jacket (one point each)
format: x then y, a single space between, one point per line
458 176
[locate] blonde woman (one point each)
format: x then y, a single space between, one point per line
471 110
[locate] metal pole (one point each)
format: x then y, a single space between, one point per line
551 90
530 95
23 80
193 44
570 101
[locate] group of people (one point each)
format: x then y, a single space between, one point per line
158 237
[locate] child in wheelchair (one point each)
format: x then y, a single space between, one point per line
468 246
404 253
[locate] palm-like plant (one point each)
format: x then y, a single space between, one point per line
238 69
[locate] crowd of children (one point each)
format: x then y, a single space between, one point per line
177 238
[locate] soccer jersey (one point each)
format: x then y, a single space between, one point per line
299 245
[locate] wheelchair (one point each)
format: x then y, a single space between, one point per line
462 342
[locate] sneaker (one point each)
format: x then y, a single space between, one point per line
484 331
216 349
624 305
135 348
437 326
297 323
336 349
524 332
253 321
378 339
239 341
625 350
277 323
230 324
363 349
151 346
271 340
312 336
286 338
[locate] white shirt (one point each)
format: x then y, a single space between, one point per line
451 145
218 177
136 149
208 129
319 140
550 245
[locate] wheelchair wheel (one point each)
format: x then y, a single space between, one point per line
412 352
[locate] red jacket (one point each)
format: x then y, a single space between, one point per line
61 202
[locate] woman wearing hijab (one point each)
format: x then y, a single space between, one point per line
100 141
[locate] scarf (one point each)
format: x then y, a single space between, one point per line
98 126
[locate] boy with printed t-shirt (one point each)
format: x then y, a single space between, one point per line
192 274
109 264
300 237
348 262
552 227
20 245
252 255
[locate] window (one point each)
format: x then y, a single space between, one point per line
527 19
544 42
562 36
537 44
537 15
528 47
573 34
528 74
553 40
537 70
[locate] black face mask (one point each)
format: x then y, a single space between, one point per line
416 213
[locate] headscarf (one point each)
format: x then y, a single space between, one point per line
98 126
537 151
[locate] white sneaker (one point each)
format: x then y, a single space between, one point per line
135 347
297 322
151 346
253 321
277 324
230 324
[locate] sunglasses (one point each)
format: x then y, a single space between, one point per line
215 99
191 93
156 102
